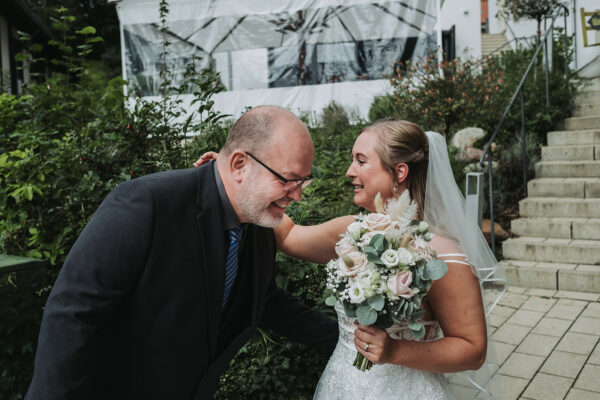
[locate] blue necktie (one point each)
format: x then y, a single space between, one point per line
231 262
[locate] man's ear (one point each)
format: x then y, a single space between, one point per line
238 161
401 172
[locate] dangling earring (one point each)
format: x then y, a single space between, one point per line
395 188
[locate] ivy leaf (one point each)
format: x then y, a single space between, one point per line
366 315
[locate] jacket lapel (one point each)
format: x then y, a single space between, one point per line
211 248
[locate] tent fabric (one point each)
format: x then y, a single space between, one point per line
279 51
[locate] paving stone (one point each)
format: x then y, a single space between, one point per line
564 311
514 300
539 345
499 315
571 302
577 343
587 325
578 394
552 326
521 365
577 295
538 303
592 310
541 292
511 387
588 379
503 350
595 356
462 392
564 364
548 387
525 317
517 289
511 334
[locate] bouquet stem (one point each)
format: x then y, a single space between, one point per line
362 363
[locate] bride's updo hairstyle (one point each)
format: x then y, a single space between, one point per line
404 142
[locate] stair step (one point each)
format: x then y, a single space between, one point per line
582 122
567 169
572 251
587 109
570 153
592 84
559 228
554 276
589 96
574 138
559 207
564 187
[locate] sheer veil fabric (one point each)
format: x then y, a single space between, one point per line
445 214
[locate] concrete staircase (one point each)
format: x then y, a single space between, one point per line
559 229
491 42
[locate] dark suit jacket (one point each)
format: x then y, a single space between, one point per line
136 310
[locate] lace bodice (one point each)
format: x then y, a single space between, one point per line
396 331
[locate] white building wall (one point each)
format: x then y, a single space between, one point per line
465 15
587 57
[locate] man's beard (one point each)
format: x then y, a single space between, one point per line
253 207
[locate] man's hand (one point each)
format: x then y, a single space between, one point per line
206 157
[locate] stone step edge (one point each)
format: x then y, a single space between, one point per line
573 228
553 276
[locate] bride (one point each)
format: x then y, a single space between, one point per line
389 157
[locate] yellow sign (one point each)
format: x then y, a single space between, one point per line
590 21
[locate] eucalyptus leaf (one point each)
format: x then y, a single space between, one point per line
417 329
378 242
350 310
435 269
366 315
376 302
330 301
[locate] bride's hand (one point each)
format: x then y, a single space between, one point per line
380 349
206 157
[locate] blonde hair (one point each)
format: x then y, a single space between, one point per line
404 142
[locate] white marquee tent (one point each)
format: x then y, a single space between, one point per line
299 54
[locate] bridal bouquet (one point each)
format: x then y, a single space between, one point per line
385 269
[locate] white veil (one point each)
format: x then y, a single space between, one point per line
445 213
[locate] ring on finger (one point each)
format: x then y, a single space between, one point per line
366 346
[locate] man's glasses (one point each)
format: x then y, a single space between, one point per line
288 184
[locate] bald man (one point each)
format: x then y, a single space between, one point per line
174 273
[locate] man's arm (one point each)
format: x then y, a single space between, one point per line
287 316
101 268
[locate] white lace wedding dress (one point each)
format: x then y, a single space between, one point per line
341 380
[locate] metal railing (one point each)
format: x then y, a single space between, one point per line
519 94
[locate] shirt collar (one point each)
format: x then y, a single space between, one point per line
230 218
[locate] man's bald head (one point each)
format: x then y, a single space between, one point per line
254 130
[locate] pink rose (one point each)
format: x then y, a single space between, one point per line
345 246
399 284
422 248
353 263
376 222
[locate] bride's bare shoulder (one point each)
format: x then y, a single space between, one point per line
445 245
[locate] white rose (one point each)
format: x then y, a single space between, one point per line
390 258
345 246
423 227
354 230
405 257
357 294
427 236
353 263
376 222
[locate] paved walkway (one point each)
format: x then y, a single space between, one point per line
547 343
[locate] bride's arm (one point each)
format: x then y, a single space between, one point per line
456 302
314 243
